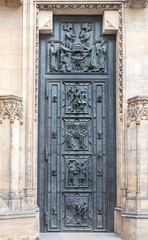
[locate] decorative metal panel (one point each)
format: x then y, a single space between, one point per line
74 125
77 49
76 140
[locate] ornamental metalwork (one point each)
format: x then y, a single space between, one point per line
76 135
76 94
110 6
77 173
77 211
77 99
78 52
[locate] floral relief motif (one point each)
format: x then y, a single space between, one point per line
11 107
137 110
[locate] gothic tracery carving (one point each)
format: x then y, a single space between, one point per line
137 110
11 107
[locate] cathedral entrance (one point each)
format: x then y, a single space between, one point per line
76 170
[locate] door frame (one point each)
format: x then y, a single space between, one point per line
119 69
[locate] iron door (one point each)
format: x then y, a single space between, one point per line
77 126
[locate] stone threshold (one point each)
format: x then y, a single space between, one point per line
78 236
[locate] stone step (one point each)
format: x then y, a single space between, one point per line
79 236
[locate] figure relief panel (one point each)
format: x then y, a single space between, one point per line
77 171
77 96
77 135
78 211
77 99
77 50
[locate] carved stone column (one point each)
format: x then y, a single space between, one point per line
135 207
11 120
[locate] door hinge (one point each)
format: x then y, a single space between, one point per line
46 90
46 153
46 218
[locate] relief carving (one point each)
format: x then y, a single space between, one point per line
11 107
77 53
77 173
77 211
77 6
76 135
80 213
70 34
104 6
53 58
137 110
77 99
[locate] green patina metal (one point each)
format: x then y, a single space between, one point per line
77 126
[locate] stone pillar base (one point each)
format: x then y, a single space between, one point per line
130 226
19 225
118 221
135 227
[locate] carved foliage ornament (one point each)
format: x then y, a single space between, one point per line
11 107
77 6
137 110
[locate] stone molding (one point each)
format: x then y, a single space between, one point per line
102 6
135 216
11 107
58 5
137 3
110 22
137 110
45 22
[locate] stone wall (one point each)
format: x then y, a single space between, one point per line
19 215
133 204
